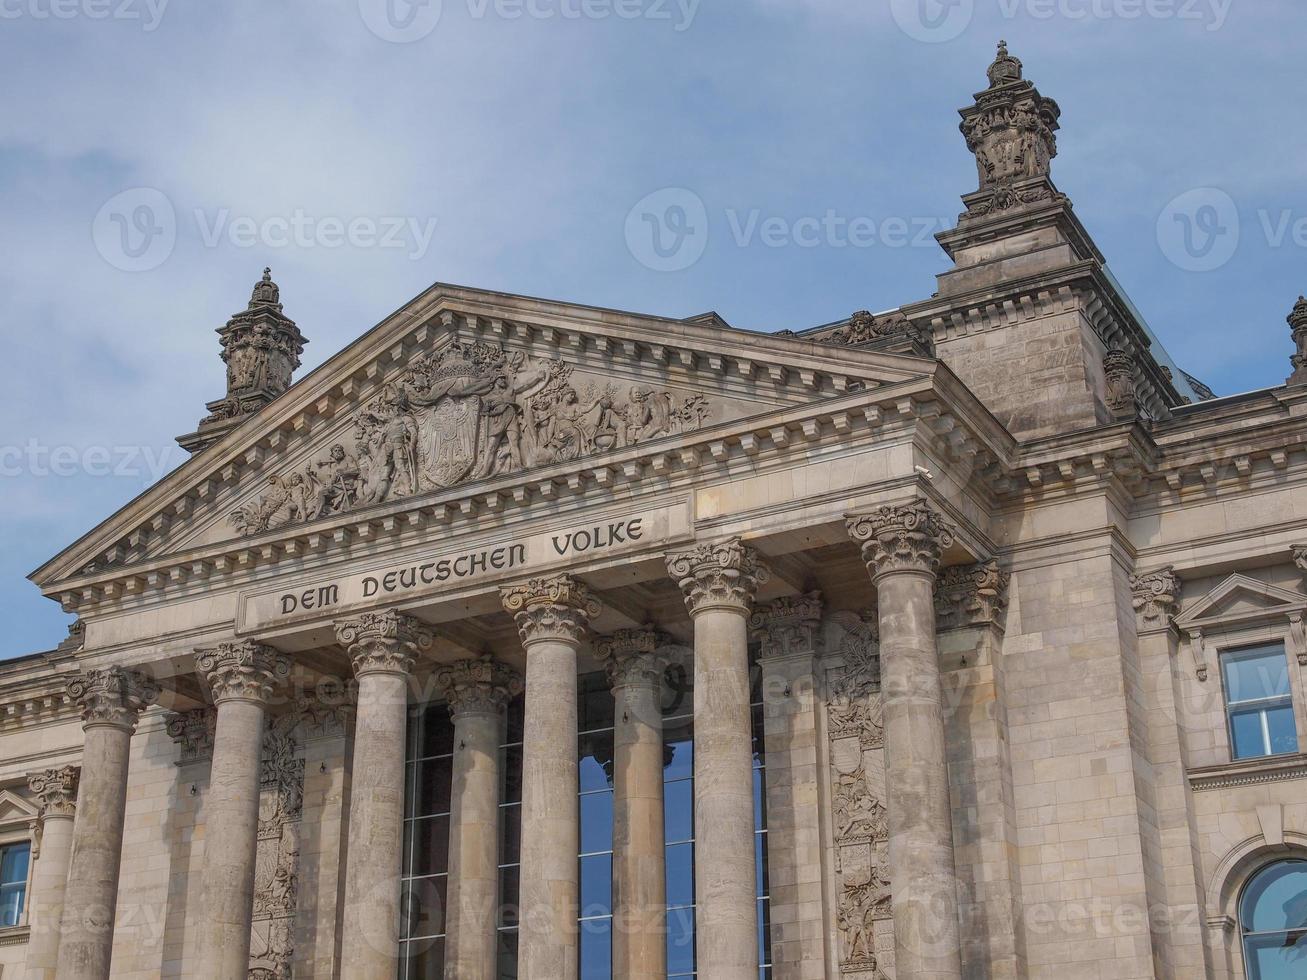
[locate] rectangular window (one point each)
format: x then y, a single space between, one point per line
1258 703
427 775
14 859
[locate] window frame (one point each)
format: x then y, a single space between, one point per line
12 836
1246 934
1232 707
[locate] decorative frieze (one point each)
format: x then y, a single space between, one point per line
112 695
55 790
557 609
634 657
865 328
1156 597
788 626
468 412
725 575
907 538
970 595
241 671
480 686
383 642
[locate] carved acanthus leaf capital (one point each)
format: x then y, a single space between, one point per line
1156 596
716 576
908 538
788 626
193 732
633 657
112 696
241 671
557 609
386 642
480 686
970 595
56 789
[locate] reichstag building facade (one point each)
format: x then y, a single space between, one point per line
524 639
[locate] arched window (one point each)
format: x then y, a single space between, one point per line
1273 921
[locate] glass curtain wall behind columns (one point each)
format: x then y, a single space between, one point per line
427 829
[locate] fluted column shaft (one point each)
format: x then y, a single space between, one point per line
240 676
56 789
635 670
477 692
111 700
382 647
552 616
902 547
719 582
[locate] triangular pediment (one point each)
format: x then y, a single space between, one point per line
463 387
15 809
1240 598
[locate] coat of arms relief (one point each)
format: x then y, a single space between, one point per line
468 412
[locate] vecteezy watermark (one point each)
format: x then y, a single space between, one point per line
937 21
1199 230
668 230
406 21
37 459
149 13
136 231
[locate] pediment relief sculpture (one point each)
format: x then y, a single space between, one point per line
468 412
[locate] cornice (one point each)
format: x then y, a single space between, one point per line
1249 773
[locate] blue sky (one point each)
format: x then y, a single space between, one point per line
365 152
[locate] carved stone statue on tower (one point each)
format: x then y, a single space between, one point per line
1298 321
1010 129
261 347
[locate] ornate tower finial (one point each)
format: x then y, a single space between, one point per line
1298 321
1010 129
1005 68
261 347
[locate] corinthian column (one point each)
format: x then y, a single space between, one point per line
240 676
719 582
56 790
383 647
635 670
111 700
902 547
477 692
552 616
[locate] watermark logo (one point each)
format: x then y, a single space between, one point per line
933 21
148 13
136 231
667 231
1199 230
401 21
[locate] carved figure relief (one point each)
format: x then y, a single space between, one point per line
276 863
467 412
861 821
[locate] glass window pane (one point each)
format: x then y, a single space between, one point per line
430 846
680 941
435 733
1254 674
596 761
508 955
680 746
426 959
1246 738
1283 731
510 834
595 702
764 931
509 894
1277 957
678 811
597 885
596 949
680 874
513 730
1276 899
423 907
596 822
678 691
511 767
759 799
431 783
13 864
760 863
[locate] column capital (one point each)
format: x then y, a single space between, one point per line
193 732
906 538
384 642
56 789
632 657
550 609
1156 597
970 595
478 687
241 671
788 627
718 576
112 696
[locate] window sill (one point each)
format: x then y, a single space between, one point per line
1249 772
14 935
